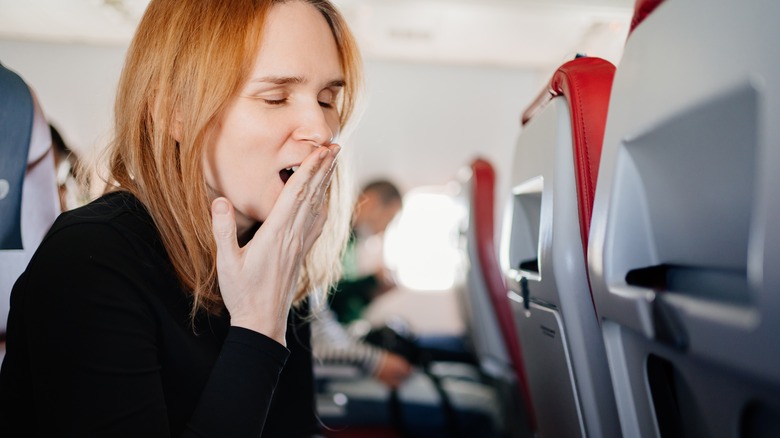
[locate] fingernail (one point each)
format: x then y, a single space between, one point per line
336 150
324 153
220 206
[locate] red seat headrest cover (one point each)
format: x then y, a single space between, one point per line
586 84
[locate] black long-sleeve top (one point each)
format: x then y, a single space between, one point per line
100 344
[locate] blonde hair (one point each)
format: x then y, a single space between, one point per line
188 59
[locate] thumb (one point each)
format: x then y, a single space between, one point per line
223 225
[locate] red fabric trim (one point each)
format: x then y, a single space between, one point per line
586 83
482 203
536 106
642 8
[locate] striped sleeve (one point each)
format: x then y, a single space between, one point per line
332 344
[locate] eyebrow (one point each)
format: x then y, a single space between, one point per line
294 80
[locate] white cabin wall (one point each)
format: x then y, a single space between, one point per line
424 122
75 84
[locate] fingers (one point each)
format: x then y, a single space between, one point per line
325 176
321 173
223 226
319 168
300 212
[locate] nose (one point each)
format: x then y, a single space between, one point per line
313 126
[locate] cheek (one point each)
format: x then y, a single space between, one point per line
221 158
209 164
333 123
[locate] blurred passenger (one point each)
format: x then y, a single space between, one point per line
176 303
377 204
28 191
333 344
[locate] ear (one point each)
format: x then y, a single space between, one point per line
177 126
365 202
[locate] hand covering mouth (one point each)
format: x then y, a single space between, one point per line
285 174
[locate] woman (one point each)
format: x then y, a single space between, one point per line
173 305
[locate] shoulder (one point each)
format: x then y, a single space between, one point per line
115 229
119 217
106 251
116 208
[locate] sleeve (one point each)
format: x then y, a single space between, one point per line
241 387
94 352
293 412
333 344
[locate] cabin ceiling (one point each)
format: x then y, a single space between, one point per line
513 33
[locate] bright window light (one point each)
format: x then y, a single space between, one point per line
421 244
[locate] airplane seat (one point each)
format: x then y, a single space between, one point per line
29 201
444 396
543 252
415 410
684 243
485 305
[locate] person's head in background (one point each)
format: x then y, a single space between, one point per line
378 203
67 167
223 98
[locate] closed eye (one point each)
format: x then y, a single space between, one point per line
275 101
327 97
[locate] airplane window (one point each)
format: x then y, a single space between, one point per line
421 244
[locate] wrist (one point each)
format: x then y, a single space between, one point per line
275 330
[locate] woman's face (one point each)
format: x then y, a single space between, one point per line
286 108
